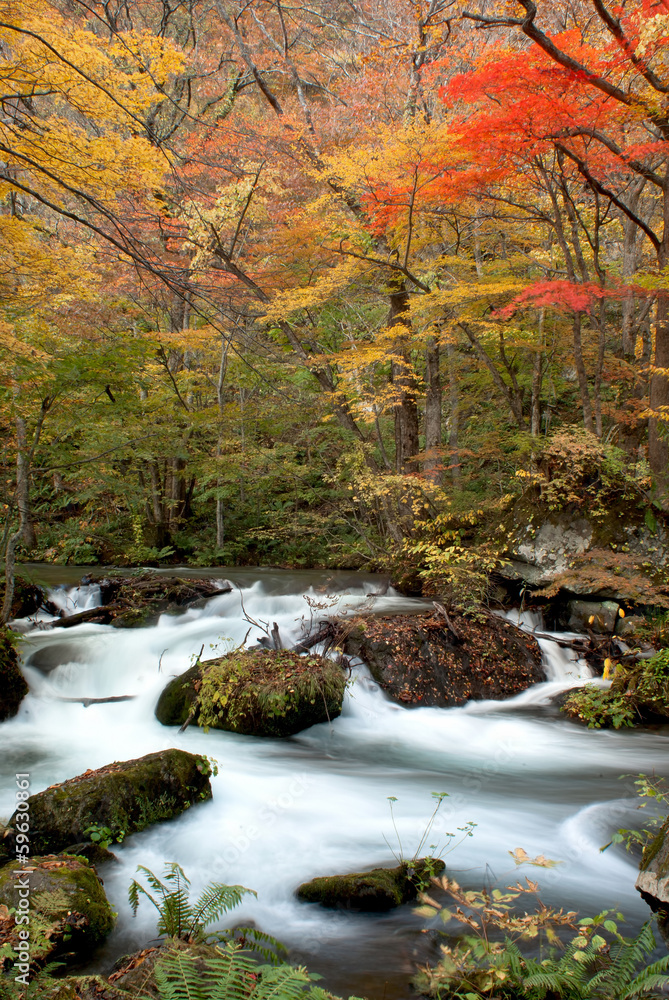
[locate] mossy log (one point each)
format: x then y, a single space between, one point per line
376 891
69 912
125 797
428 660
13 686
138 601
255 692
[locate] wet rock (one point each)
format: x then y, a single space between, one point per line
653 878
124 797
28 598
257 692
69 912
48 658
422 660
595 616
13 686
376 891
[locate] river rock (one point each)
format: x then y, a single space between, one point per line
653 879
257 692
69 912
375 891
423 660
125 797
594 616
13 686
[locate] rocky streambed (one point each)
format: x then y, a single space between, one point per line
287 809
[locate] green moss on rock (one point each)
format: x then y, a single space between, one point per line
375 891
69 912
256 693
125 796
13 686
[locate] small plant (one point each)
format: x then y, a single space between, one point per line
104 836
637 691
178 917
655 791
443 845
187 921
487 962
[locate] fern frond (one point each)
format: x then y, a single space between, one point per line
215 900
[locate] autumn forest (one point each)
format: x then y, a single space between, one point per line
327 283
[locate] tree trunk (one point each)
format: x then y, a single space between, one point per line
433 465
581 375
454 415
406 409
537 380
27 529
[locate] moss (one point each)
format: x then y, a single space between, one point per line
13 686
256 693
126 797
69 911
653 849
375 891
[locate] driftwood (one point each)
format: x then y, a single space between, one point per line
100 701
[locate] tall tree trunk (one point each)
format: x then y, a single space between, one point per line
581 374
406 409
27 528
658 447
537 379
222 369
454 415
433 395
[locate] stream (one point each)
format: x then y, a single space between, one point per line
287 810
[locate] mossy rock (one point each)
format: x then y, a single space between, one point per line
68 910
125 797
425 660
376 891
13 686
653 879
256 693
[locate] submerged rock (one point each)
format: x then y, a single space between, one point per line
375 891
69 912
13 686
123 797
256 692
423 660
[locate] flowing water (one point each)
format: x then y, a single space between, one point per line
287 810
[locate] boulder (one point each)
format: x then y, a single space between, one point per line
69 912
594 616
123 797
376 891
426 660
13 686
653 878
257 692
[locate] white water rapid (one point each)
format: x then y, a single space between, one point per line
286 810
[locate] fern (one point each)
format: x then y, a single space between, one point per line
177 916
230 975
